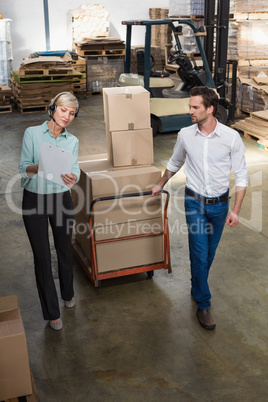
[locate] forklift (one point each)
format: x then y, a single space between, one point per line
170 108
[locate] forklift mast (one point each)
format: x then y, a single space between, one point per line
221 24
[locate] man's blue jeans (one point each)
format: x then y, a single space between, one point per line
205 225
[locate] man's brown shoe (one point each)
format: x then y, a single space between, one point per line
205 319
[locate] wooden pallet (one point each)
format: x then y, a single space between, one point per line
101 53
6 109
255 126
251 16
24 102
45 71
192 17
26 88
94 93
100 45
32 108
249 135
250 62
80 87
249 132
76 76
81 68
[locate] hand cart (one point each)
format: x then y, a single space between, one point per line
96 277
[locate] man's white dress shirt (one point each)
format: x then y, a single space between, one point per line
210 159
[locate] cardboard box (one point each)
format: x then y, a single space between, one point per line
137 150
125 108
99 165
93 185
129 253
122 254
15 378
120 217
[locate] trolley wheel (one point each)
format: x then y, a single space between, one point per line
150 274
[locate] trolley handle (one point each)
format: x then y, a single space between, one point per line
114 197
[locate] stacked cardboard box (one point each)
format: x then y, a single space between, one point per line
161 35
128 126
119 218
125 169
15 376
250 6
247 39
252 94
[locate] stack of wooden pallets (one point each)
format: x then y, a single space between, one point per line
103 47
252 94
5 98
255 127
40 79
75 61
80 66
104 61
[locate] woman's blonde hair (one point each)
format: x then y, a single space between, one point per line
63 99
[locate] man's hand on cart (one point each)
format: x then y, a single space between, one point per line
157 190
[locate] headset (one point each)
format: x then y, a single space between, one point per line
52 108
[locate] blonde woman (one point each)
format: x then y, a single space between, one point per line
48 202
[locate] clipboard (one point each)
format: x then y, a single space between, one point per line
53 162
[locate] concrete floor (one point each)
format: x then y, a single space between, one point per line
135 339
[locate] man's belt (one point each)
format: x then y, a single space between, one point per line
206 200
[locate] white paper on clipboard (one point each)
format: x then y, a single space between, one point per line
53 162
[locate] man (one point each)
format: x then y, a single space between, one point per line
210 151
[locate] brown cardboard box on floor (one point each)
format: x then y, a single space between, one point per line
15 377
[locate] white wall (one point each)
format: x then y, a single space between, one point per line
28 27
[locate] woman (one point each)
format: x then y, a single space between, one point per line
47 201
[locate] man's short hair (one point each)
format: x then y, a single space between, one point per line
209 96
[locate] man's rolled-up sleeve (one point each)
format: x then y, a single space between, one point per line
178 158
239 166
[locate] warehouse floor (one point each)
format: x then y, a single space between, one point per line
136 339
